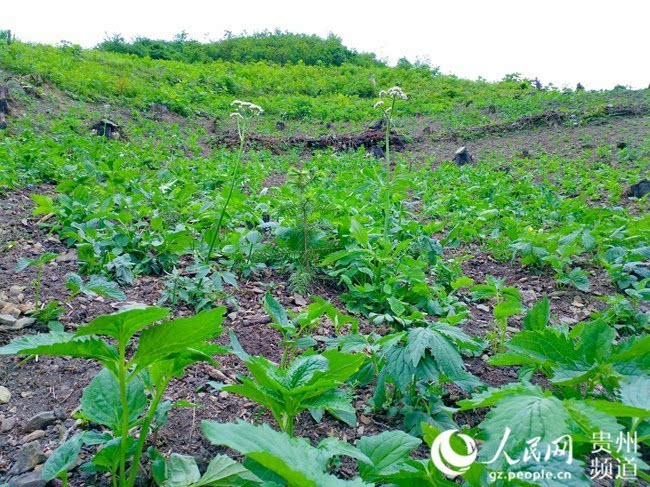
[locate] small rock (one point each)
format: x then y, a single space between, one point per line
5 395
299 300
485 357
10 309
34 435
67 257
30 479
26 394
8 424
232 316
360 430
223 394
26 307
40 421
7 320
568 321
18 324
482 307
30 456
365 419
16 290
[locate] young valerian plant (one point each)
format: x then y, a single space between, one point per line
243 114
116 397
392 95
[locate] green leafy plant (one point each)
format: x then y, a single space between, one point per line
392 95
38 262
580 361
529 412
116 397
307 382
295 330
507 303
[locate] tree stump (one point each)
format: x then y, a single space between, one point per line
4 106
638 190
462 156
106 128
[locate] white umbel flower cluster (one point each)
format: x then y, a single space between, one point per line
395 92
245 108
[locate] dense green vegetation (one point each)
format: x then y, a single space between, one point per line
273 47
166 202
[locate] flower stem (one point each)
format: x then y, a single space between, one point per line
242 137
388 177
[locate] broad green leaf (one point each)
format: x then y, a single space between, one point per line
224 471
494 394
123 325
333 447
293 459
181 471
337 403
538 316
277 313
100 401
164 339
108 457
387 452
636 392
528 416
596 341
63 345
63 458
507 308
618 409
358 232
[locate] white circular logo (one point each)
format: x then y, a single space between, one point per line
446 459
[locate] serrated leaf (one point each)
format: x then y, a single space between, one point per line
164 339
100 400
388 453
293 459
538 316
123 325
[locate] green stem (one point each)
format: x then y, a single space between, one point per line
388 180
125 412
64 478
242 138
37 284
144 431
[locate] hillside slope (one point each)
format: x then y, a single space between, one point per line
467 255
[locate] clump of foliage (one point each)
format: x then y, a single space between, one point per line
116 398
273 47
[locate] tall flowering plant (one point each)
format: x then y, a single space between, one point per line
386 104
244 112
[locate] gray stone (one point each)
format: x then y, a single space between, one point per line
30 479
7 320
18 324
40 421
30 456
34 435
8 424
5 395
